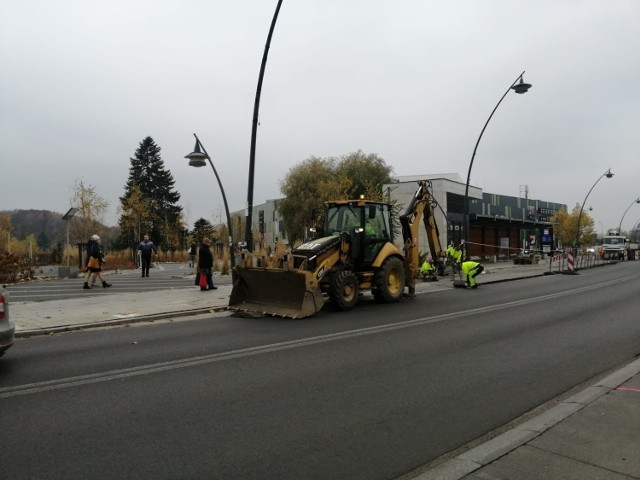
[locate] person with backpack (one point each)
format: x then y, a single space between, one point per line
94 262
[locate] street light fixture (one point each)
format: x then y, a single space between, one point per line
607 174
197 159
248 235
67 216
637 200
519 87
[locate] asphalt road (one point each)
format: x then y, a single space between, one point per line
168 276
367 394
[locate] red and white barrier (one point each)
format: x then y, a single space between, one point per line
570 263
556 258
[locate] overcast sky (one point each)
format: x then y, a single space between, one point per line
82 82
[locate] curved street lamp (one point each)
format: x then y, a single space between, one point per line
635 231
637 200
607 174
197 159
519 87
601 229
67 216
248 236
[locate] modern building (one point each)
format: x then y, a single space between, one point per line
499 225
267 222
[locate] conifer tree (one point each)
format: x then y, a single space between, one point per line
203 229
150 183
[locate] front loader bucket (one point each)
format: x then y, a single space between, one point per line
271 291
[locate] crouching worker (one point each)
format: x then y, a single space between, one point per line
471 270
428 271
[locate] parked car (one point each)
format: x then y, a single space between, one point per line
7 328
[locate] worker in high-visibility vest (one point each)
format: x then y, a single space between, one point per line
428 271
454 253
471 270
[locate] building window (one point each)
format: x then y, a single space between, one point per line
455 203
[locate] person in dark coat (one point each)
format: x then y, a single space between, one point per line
205 264
94 252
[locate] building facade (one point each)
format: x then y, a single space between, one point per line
268 226
499 225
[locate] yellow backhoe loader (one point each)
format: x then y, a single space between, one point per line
356 254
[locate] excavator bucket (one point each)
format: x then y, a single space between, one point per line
276 292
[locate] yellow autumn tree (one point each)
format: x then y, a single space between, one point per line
91 209
566 227
135 215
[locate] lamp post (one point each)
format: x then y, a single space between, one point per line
517 86
67 216
635 231
607 174
197 159
248 236
601 229
637 200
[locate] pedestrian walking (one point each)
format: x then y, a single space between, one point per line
145 248
94 262
471 270
205 264
193 251
94 276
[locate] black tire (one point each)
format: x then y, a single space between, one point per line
343 290
389 281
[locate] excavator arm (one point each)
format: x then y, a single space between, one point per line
421 207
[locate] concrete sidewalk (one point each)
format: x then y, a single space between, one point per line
113 307
592 435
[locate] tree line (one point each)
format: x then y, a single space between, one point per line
150 205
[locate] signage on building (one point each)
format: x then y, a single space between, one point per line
546 239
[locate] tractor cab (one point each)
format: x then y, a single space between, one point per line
367 225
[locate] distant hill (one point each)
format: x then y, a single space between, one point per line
48 227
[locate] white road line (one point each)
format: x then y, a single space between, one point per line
77 381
